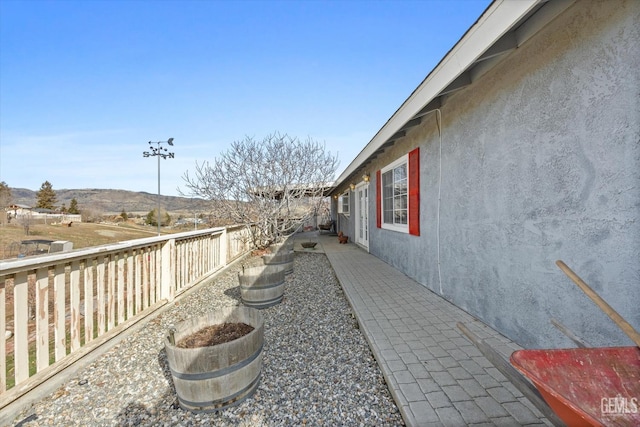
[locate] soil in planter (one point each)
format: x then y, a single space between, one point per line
215 334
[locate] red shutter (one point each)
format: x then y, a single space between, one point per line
378 199
414 192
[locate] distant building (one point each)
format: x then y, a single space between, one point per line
16 209
20 212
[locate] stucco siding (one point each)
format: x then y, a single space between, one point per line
540 161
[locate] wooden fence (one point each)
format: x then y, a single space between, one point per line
57 308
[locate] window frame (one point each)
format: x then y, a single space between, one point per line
402 228
343 201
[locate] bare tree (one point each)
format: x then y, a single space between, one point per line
93 214
274 184
5 200
25 221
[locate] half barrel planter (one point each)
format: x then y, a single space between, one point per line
280 258
209 379
262 286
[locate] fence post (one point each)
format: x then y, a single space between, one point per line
224 247
168 274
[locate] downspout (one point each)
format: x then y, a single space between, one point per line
439 123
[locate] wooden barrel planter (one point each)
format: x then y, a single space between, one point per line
209 379
282 258
263 286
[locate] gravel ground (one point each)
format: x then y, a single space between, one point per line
317 367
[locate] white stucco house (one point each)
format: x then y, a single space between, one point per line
520 148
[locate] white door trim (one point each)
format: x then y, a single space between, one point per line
362 214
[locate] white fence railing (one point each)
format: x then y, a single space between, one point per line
56 308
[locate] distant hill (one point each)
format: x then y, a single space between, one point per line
114 201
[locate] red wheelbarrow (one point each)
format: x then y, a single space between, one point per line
586 386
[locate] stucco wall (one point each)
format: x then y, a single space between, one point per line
540 162
344 222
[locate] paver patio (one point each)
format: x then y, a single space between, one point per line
436 376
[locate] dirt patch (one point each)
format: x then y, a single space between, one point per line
215 334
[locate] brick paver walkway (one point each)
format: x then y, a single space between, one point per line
436 376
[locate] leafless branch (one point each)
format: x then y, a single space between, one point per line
275 183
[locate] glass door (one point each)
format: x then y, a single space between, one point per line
362 214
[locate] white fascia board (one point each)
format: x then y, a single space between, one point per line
497 20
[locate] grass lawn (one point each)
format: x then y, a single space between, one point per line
82 235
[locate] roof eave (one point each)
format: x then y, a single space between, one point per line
490 34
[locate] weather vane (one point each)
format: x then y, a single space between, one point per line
160 152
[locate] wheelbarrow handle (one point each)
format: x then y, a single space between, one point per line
604 306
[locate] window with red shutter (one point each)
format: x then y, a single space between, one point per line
398 194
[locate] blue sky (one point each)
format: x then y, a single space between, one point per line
84 85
